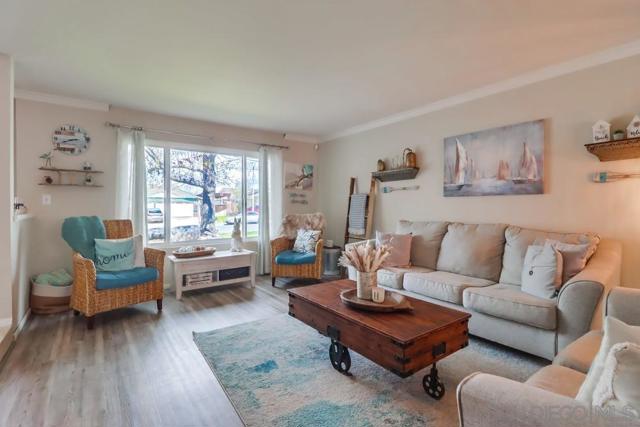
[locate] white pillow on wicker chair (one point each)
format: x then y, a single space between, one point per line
306 241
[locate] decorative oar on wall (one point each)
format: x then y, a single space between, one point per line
391 189
607 176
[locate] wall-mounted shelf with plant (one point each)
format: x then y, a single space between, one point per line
396 174
615 150
69 177
402 167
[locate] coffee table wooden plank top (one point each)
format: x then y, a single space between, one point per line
425 318
402 342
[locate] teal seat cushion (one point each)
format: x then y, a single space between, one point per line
125 278
295 258
80 233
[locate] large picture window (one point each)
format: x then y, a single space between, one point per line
195 195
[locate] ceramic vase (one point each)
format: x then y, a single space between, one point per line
364 282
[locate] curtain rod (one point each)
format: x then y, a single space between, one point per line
190 135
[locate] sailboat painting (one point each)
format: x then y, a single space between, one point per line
501 161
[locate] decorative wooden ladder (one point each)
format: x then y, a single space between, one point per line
368 211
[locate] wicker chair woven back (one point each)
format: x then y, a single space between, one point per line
118 228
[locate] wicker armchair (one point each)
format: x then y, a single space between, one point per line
89 301
290 225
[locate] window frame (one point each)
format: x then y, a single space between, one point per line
167 146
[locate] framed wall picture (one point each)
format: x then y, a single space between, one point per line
501 161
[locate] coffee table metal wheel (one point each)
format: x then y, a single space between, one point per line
340 357
432 385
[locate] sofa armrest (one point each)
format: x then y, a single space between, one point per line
581 299
489 400
624 304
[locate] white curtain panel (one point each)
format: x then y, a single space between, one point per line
271 188
131 186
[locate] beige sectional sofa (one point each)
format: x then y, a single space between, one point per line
477 268
547 398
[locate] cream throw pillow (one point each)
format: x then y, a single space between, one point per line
619 385
399 246
615 332
542 271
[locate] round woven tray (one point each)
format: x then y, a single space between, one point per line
194 254
392 302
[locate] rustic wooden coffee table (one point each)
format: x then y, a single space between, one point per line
402 342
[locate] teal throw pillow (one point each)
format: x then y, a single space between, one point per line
115 254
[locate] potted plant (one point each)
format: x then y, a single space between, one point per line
367 260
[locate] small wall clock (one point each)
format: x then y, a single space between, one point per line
71 140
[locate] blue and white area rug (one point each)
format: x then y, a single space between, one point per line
277 373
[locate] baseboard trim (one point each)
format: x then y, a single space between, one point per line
8 342
22 324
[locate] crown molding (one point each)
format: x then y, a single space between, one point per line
588 61
60 100
298 137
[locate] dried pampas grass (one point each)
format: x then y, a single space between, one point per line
365 257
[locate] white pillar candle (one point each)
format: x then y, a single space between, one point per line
377 294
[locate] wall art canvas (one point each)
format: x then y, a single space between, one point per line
298 177
501 161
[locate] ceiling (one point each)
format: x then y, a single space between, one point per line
301 66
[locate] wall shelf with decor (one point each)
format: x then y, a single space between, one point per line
70 185
396 174
70 170
68 177
621 149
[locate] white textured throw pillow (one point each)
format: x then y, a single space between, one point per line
306 241
542 271
619 385
138 247
615 332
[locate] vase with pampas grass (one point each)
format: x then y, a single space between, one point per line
367 260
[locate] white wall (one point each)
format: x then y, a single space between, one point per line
35 123
6 184
569 105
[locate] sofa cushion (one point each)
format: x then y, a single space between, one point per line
580 354
427 238
292 257
473 250
442 285
558 379
125 278
392 277
510 303
518 239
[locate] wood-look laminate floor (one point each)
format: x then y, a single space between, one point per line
136 368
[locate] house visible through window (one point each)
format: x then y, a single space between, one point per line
196 195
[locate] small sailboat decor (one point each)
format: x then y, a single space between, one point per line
501 161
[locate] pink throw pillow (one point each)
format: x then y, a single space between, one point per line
574 257
399 246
